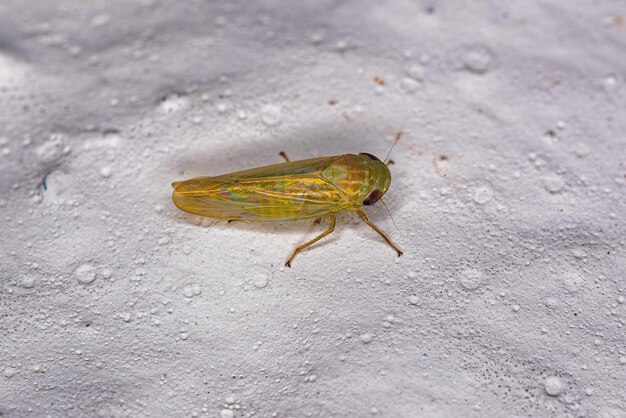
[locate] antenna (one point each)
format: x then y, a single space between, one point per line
387 160
387 209
398 136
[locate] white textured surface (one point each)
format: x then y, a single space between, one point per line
508 192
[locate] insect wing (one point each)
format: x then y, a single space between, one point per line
288 191
309 166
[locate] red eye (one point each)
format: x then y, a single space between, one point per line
373 197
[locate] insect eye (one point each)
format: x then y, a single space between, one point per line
373 197
370 156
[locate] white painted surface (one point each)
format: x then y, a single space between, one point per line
509 193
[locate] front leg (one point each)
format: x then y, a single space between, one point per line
375 228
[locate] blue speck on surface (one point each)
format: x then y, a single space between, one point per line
44 183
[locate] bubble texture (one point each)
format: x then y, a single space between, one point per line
508 194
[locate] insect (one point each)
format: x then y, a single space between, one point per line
307 189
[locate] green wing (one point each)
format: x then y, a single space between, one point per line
287 191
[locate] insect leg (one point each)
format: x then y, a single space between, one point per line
284 155
331 228
375 228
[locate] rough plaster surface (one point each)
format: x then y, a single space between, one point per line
509 195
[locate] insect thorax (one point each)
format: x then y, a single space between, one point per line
355 175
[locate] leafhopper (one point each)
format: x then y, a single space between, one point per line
315 188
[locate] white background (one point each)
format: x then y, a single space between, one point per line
508 193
